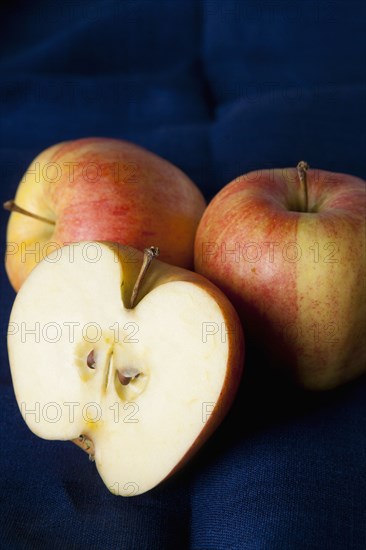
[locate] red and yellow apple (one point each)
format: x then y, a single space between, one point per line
135 360
287 246
101 189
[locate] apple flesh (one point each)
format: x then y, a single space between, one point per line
290 254
101 189
139 388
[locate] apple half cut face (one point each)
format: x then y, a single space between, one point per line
139 388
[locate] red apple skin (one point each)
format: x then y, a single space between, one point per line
304 303
102 189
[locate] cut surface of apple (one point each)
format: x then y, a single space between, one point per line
143 386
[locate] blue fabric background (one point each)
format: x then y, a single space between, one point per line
218 88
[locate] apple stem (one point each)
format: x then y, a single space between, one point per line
149 255
302 169
13 207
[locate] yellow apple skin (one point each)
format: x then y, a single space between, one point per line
102 189
296 278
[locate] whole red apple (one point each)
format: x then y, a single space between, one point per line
102 189
288 248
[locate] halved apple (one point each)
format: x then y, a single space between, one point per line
137 362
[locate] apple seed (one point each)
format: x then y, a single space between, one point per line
127 375
90 361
